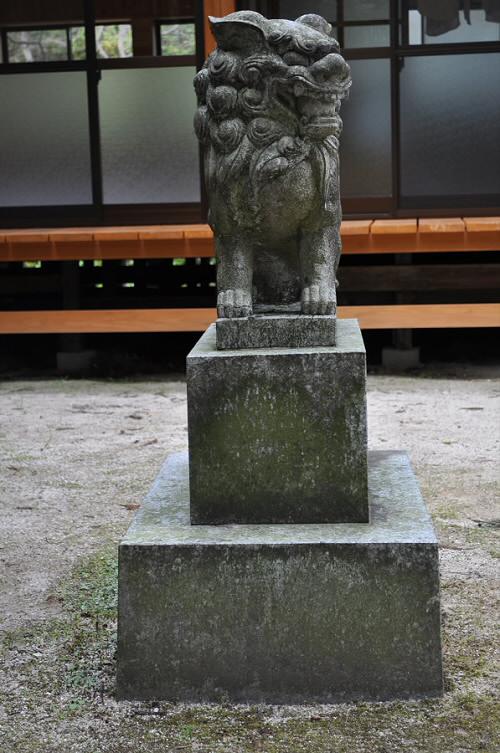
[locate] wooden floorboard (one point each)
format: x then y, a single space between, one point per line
426 235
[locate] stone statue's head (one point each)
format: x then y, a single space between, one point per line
270 74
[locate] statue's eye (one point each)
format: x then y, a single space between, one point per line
306 45
325 48
279 37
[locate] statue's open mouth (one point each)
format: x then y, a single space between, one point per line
317 104
304 86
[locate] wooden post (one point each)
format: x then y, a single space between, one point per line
402 339
215 8
70 280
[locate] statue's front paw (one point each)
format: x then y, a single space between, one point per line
233 303
318 299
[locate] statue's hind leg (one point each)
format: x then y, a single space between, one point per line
234 276
319 253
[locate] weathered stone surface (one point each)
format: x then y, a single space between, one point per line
275 331
268 104
278 435
280 613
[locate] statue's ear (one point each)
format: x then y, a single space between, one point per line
234 33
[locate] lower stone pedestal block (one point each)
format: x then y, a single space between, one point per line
281 613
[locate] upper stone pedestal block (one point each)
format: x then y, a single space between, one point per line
278 435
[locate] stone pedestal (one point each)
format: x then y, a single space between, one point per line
281 613
278 435
280 562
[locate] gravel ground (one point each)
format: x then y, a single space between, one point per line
77 457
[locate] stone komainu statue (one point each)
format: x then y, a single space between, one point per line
268 98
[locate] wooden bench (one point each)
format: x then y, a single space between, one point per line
402 236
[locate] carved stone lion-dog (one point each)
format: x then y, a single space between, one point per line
268 102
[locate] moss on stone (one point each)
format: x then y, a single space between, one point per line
46 709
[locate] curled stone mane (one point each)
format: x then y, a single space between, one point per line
243 92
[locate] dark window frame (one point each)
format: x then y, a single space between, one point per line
97 212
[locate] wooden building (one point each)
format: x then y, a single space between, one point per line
102 206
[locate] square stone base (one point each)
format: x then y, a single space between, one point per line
278 435
280 613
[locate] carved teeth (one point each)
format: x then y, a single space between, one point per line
298 90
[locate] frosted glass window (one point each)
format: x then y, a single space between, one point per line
367 36
365 151
294 8
479 30
366 10
453 29
149 150
450 116
44 154
414 27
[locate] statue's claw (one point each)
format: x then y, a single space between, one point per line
318 299
233 303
